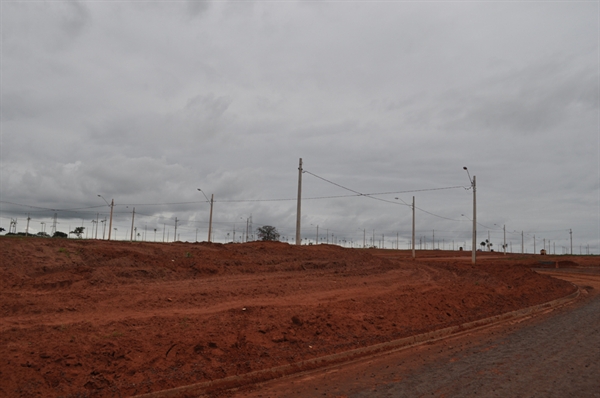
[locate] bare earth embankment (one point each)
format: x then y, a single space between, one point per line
103 319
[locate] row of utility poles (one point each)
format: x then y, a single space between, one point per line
474 244
299 215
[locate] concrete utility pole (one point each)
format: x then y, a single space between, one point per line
571 233
474 186
175 233
132 220
247 228
504 228
522 243
112 205
298 210
27 227
413 227
212 199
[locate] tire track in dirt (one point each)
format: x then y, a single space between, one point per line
349 289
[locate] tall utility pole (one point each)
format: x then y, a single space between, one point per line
474 186
54 221
112 205
132 219
298 209
545 246
247 228
504 228
27 227
571 233
212 200
175 234
413 228
522 243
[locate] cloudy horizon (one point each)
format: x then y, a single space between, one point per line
145 102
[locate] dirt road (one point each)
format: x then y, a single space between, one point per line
552 354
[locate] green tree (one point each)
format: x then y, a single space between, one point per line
59 234
267 232
78 231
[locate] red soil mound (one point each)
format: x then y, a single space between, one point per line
96 318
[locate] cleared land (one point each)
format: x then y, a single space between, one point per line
103 319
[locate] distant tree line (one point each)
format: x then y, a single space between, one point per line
57 234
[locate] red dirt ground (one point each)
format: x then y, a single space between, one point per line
86 318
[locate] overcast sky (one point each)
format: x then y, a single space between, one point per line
143 102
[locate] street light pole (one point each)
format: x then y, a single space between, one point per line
474 186
413 228
571 234
132 220
298 205
212 197
111 205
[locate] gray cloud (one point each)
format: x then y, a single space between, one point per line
146 102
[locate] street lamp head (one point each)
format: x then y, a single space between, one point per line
465 167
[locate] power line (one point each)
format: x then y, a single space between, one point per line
48 208
371 195
380 193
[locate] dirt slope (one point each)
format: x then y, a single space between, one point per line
102 319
